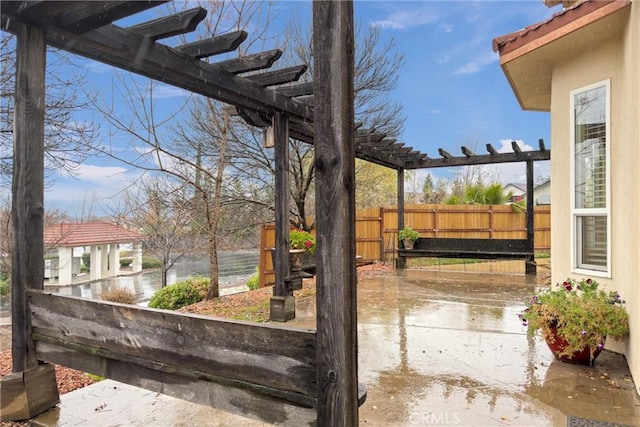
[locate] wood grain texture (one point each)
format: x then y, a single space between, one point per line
171 25
280 133
333 46
27 210
277 358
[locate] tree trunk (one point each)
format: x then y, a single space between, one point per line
213 210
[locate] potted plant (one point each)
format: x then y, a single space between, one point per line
575 318
408 236
301 242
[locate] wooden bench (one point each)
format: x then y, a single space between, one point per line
468 248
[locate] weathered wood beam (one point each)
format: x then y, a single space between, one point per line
530 266
515 147
337 337
370 137
480 159
398 152
366 145
278 77
256 61
113 45
298 89
444 153
467 152
171 25
80 16
491 150
541 144
400 262
389 147
254 118
178 351
214 46
281 263
27 207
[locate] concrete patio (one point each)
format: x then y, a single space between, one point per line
436 348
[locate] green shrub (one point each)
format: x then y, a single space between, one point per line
125 262
124 296
179 294
5 287
254 281
148 262
86 260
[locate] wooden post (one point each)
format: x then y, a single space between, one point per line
31 389
401 262
282 306
530 264
337 367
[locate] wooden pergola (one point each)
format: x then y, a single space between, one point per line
276 374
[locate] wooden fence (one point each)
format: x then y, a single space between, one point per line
377 229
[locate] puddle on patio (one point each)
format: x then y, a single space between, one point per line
447 348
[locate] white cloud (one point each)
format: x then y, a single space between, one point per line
405 19
477 64
100 174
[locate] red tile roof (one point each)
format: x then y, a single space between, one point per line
512 41
90 233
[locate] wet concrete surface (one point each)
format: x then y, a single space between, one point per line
435 348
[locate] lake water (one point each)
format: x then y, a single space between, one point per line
235 268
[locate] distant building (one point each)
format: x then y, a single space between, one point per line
517 190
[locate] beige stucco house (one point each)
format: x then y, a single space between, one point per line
583 66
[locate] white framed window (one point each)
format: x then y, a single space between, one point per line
590 179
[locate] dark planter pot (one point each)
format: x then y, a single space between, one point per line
582 357
296 257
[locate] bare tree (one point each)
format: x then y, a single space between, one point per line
376 73
192 146
67 139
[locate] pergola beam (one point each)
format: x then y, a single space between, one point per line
171 25
215 45
78 16
113 45
256 61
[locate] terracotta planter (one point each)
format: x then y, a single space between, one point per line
582 357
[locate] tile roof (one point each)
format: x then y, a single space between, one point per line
90 233
512 41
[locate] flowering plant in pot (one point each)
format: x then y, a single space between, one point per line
301 239
575 318
408 236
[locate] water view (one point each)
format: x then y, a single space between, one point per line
235 268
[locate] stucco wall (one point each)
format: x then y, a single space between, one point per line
617 60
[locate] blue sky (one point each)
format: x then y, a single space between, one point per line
452 88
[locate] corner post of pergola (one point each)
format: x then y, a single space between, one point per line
31 387
337 340
401 262
530 263
282 304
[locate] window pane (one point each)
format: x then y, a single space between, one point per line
590 148
593 233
